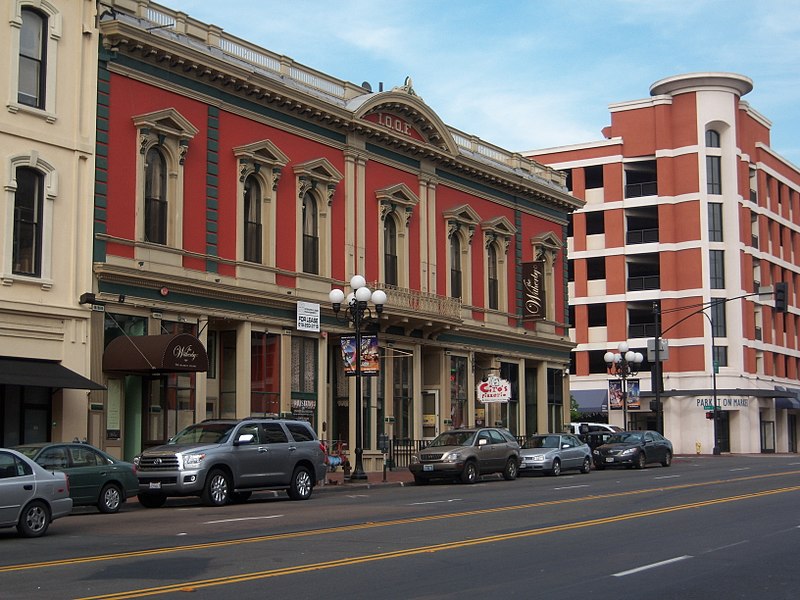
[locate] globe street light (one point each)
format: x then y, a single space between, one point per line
357 312
623 364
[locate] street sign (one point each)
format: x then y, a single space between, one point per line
663 349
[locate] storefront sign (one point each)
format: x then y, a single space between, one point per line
722 403
533 290
303 410
494 389
307 316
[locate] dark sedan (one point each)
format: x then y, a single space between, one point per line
633 449
95 478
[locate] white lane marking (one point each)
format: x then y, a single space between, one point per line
436 502
651 566
572 487
726 546
242 519
666 477
739 469
357 496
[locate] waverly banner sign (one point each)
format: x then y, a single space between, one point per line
494 389
533 305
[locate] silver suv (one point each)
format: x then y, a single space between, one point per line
226 460
466 454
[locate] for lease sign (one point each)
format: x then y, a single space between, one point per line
307 316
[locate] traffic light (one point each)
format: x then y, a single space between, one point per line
781 290
710 415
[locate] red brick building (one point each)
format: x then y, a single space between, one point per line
236 187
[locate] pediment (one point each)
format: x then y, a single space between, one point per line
547 239
320 169
463 214
398 194
262 152
167 121
499 226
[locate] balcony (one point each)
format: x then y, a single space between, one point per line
637 190
413 309
642 236
645 282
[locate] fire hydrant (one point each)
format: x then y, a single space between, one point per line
697 447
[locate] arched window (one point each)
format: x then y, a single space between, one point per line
390 251
310 235
26 258
492 280
252 219
32 58
155 197
455 266
712 139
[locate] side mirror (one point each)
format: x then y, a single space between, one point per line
483 442
563 446
245 438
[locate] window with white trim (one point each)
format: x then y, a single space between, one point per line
316 182
164 138
28 225
35 34
461 224
396 205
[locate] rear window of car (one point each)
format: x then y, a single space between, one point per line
300 432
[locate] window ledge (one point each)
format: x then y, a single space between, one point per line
9 280
15 107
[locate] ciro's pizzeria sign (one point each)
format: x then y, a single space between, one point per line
494 389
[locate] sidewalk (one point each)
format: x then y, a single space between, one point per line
336 480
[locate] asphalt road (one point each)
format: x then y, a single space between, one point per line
707 527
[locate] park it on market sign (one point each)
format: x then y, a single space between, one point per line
307 316
494 389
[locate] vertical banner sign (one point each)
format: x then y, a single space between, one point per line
615 394
307 316
533 297
633 394
370 357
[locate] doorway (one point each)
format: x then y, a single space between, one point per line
430 414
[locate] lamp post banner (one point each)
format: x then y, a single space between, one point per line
615 394
633 394
533 306
370 356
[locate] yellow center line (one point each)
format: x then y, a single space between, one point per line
370 525
343 562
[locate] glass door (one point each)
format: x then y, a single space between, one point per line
430 414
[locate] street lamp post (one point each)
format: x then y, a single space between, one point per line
623 364
358 313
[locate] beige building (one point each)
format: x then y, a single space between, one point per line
48 69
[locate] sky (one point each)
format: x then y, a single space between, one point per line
532 74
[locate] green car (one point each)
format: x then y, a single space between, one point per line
95 478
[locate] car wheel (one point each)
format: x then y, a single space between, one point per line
470 473
301 484
640 461
510 472
556 470
240 497
217 490
34 520
420 480
667 459
586 466
152 500
110 498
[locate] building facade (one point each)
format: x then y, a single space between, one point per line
48 53
237 188
691 223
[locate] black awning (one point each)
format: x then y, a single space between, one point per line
154 354
42 373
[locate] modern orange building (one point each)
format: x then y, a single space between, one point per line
236 188
691 224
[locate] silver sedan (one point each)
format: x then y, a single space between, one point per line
554 453
30 496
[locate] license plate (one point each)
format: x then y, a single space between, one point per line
427 467
609 460
155 485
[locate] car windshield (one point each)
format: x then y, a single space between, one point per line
542 441
625 437
454 438
29 451
208 433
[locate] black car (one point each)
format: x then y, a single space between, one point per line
633 449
